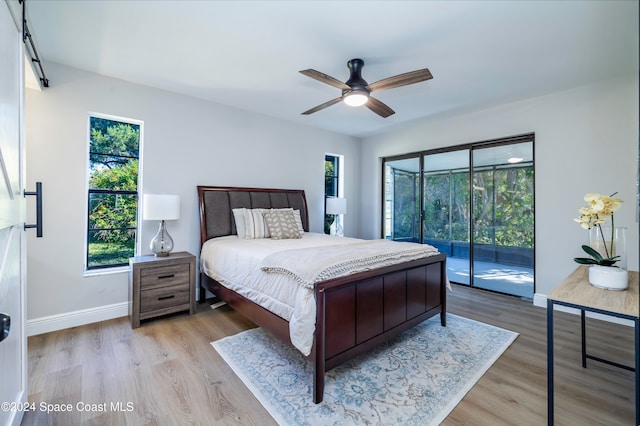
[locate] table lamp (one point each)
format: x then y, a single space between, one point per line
161 207
337 206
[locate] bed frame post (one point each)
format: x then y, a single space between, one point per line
318 347
203 291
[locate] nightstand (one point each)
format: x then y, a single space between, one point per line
161 285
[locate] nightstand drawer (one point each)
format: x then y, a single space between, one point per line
163 297
164 276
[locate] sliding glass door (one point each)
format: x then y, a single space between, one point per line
475 203
446 222
503 218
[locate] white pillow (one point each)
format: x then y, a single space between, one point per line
241 227
255 224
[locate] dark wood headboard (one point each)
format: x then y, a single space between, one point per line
217 203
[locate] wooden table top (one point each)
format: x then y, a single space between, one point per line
575 289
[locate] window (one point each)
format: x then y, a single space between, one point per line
113 170
332 185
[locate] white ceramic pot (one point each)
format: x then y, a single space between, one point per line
608 277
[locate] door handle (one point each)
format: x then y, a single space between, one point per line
5 322
38 224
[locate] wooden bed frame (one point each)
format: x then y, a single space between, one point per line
353 313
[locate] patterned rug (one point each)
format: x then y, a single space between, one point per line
415 379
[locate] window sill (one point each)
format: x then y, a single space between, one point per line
105 271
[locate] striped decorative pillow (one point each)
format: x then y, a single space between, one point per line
255 225
282 224
250 223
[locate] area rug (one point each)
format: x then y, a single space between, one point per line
415 379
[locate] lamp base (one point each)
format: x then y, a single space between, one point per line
162 243
336 229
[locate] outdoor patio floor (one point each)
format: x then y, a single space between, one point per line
509 279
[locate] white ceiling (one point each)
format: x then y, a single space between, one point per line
247 54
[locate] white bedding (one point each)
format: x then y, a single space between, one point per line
237 264
315 264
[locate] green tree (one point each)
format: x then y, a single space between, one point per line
503 206
113 143
514 207
406 204
120 178
446 202
108 211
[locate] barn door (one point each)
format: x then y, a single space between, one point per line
12 239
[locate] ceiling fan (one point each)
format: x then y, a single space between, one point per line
356 91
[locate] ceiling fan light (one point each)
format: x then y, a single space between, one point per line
356 99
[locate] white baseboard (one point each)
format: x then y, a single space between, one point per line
76 318
541 300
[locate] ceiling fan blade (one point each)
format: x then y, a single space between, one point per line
317 75
401 80
322 106
379 108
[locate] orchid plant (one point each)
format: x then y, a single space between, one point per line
594 214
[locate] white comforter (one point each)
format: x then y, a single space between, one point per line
240 265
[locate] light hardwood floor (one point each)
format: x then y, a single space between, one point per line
169 374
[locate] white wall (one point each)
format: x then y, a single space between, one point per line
187 142
586 141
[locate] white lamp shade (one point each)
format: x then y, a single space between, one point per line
160 207
336 205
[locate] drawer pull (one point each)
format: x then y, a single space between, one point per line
161 277
167 297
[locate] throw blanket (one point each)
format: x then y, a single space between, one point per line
311 265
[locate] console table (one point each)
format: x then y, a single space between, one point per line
576 292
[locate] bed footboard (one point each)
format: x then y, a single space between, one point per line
355 315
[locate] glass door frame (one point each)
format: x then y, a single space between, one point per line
470 147
420 191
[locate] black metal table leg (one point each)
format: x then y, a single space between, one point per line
550 362
637 339
583 329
